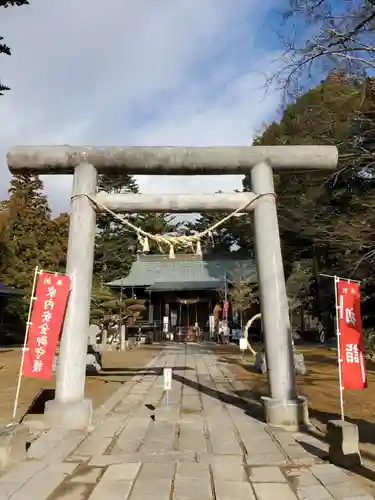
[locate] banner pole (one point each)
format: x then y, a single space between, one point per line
24 345
349 280
338 333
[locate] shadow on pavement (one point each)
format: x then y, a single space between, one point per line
252 407
131 372
37 406
366 429
360 470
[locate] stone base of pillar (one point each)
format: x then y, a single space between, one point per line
343 440
289 415
70 415
13 439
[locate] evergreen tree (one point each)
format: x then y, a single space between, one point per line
162 224
27 234
3 225
59 231
220 240
117 183
115 245
305 201
314 210
234 235
351 228
27 230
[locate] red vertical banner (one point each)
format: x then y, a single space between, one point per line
46 321
353 369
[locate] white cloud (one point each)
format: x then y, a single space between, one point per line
166 72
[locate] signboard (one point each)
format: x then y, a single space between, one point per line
46 321
353 370
243 344
236 333
174 318
167 373
165 324
151 313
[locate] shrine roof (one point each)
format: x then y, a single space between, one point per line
176 286
157 271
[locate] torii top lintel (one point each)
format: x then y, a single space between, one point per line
170 160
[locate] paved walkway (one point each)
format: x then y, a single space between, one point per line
202 446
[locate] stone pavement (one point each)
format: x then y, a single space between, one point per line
204 446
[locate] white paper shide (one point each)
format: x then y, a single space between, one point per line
167 372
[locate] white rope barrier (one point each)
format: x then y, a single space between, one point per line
173 241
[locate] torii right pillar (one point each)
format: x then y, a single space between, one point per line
283 408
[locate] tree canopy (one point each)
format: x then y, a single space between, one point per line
30 236
325 221
4 48
322 219
117 245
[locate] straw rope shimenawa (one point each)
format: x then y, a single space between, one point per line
173 241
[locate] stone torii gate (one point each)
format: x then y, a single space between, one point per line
70 408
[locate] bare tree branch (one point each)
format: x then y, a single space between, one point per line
337 38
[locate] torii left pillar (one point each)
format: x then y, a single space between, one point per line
70 408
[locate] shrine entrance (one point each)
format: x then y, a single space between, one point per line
70 408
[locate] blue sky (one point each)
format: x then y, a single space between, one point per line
145 72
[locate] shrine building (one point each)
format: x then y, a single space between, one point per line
185 292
